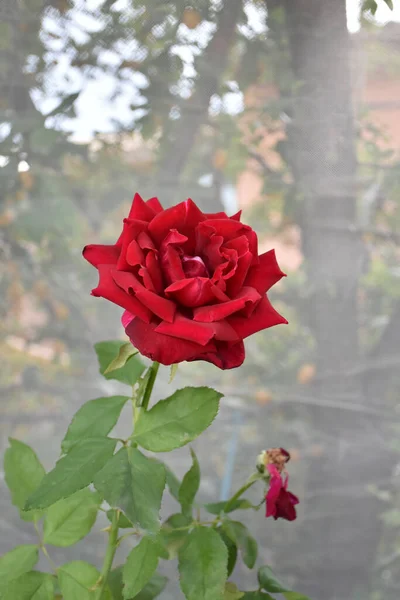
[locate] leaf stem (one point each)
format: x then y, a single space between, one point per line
150 384
252 479
109 557
44 549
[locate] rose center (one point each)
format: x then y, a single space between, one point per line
193 266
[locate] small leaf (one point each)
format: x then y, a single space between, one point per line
177 420
173 483
140 565
129 373
173 372
95 418
31 586
232 550
243 540
172 534
72 472
64 105
77 579
295 596
190 485
23 473
70 519
202 565
257 595
17 562
216 508
123 522
390 4
150 591
133 483
126 352
231 592
269 582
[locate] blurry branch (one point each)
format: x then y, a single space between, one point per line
179 136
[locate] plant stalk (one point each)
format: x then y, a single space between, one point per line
252 479
109 557
150 384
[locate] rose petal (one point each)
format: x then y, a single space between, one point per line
212 251
228 228
184 217
194 292
154 270
285 506
155 205
264 275
97 254
226 356
130 232
201 333
108 289
162 348
140 210
264 316
275 486
145 241
216 312
236 282
161 307
236 216
134 254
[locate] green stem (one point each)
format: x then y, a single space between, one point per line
109 557
150 384
255 477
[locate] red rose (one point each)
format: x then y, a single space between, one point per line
192 285
280 502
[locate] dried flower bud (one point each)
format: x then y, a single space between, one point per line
273 456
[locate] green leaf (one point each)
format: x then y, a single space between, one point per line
177 420
123 522
126 352
31 586
257 595
77 580
107 352
173 483
173 372
295 596
23 473
269 582
202 565
17 562
389 3
64 105
240 535
133 483
232 550
95 418
174 540
231 592
215 508
72 472
70 519
190 485
150 591
140 565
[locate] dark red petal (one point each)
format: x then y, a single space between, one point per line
97 254
234 285
275 487
155 205
228 228
236 216
285 506
130 232
162 348
134 254
154 270
108 289
212 252
263 317
185 328
264 275
161 307
194 292
184 217
217 215
145 241
226 356
170 257
140 209
216 312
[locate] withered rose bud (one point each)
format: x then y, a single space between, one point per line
273 456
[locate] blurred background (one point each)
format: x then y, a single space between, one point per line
287 109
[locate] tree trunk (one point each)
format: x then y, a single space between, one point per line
338 539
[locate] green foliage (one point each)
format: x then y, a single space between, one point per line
216 508
269 582
203 565
231 592
173 483
177 420
95 418
257 595
190 486
140 566
15 563
135 484
240 536
23 473
72 472
77 579
108 352
33 585
70 519
232 550
151 590
126 352
174 533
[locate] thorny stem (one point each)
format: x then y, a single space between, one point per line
109 557
150 384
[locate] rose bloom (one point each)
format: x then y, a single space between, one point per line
280 502
192 284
